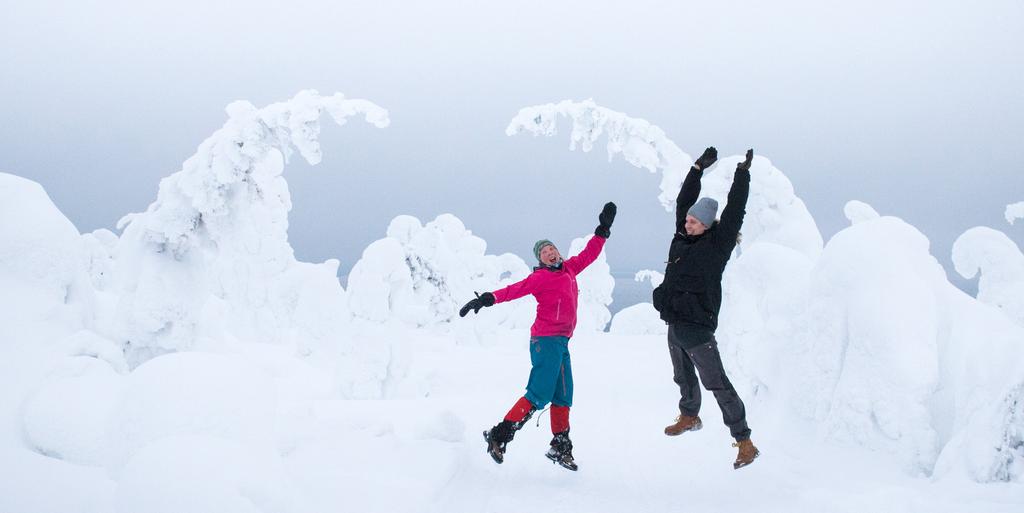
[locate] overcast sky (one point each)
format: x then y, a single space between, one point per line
916 108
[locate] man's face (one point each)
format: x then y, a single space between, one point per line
694 227
549 255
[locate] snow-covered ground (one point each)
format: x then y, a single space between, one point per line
192 364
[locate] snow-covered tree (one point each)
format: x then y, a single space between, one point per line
1000 263
654 277
422 274
210 257
872 343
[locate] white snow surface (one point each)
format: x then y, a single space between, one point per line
194 365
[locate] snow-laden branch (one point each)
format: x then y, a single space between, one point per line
638 141
242 153
1014 211
1001 265
774 212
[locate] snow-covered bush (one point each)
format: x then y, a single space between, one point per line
100 247
641 318
596 285
422 275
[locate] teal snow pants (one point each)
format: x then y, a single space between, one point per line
551 375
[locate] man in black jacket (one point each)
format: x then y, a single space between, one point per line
690 298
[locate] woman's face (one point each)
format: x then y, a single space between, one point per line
549 255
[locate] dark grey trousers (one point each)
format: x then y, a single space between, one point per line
687 361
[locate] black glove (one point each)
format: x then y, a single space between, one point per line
481 300
745 165
707 159
606 217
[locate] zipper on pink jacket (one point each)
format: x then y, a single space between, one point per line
558 310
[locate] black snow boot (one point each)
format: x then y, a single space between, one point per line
561 450
498 437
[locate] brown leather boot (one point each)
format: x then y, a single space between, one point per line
747 453
683 424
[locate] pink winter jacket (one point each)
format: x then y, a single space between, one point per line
556 292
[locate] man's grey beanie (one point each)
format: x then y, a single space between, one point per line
539 246
704 210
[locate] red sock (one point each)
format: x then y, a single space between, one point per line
519 410
559 419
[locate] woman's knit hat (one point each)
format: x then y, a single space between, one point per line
539 246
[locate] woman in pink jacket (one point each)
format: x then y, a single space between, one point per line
553 284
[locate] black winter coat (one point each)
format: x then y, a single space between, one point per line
692 290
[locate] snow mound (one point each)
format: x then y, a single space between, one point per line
42 255
66 417
639 319
445 426
191 394
1001 265
202 473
